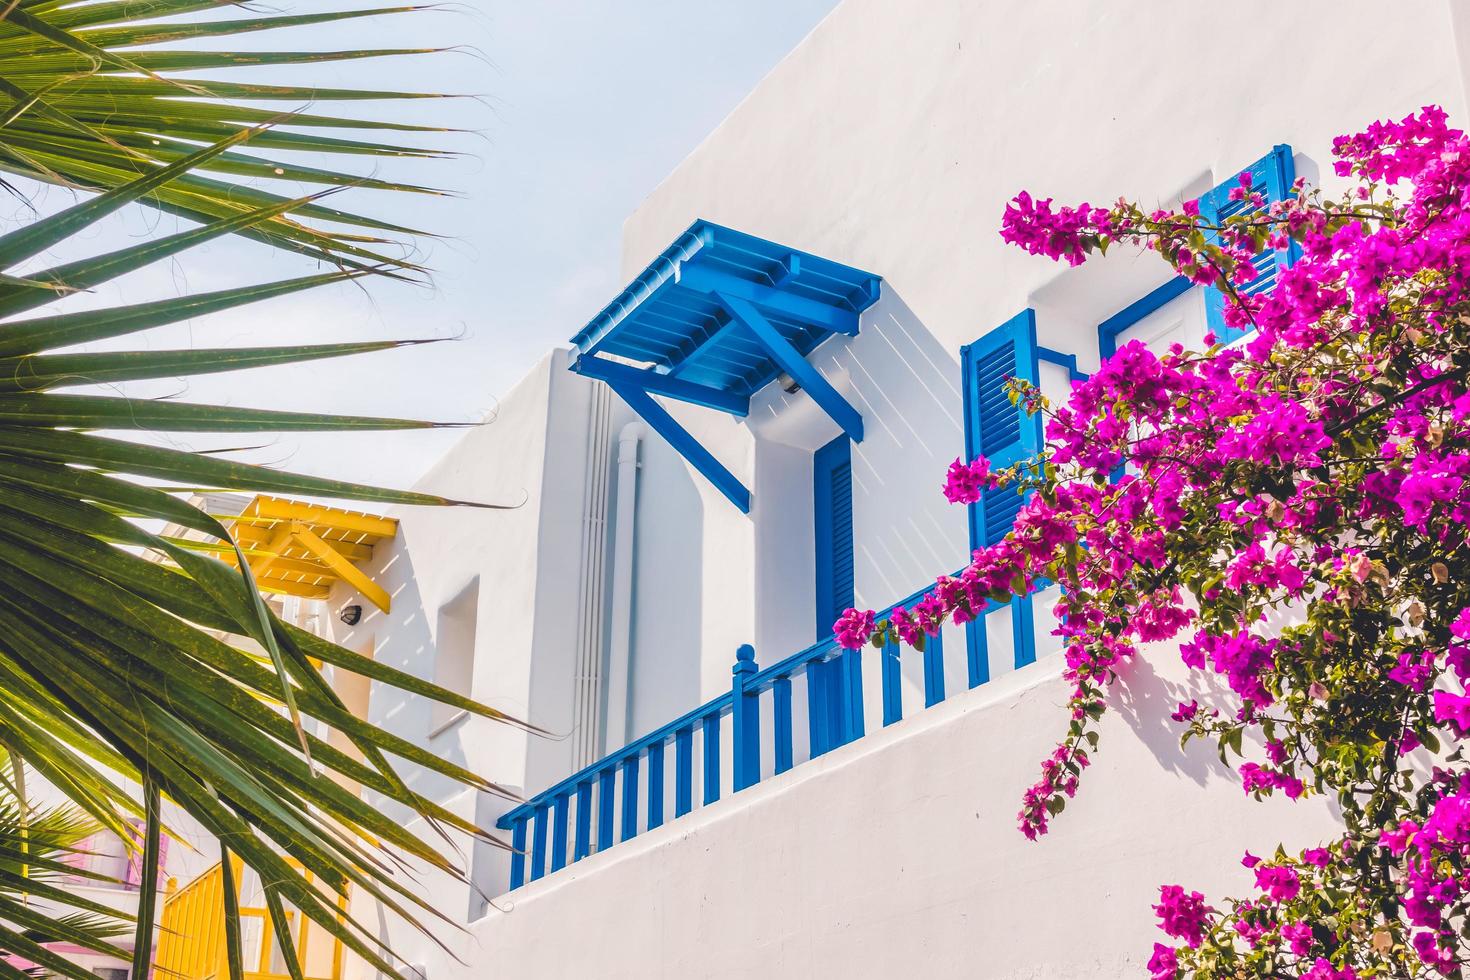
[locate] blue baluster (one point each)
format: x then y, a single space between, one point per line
655 785
892 674
745 720
781 696
630 797
851 703
584 821
818 710
977 651
605 780
518 855
559 833
538 844
1023 626
683 771
933 669
711 757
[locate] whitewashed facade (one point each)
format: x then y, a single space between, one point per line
613 598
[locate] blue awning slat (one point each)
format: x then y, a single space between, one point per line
665 332
812 284
766 273
839 294
643 348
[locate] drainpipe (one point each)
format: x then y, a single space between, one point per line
592 585
621 634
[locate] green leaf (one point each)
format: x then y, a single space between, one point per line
104 412
65 329
33 372
23 243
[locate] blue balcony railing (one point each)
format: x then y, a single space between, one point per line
606 813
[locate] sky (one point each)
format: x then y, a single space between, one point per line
582 107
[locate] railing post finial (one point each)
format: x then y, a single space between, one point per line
745 714
744 660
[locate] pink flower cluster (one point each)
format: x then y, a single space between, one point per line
1451 709
1060 774
1435 878
854 628
1256 778
1066 233
1183 915
966 481
1271 470
1243 658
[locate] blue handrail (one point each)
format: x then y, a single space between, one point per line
835 716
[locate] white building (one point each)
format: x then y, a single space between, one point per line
856 195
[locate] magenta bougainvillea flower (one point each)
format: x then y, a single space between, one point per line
1315 474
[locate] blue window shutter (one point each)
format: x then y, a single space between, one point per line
832 513
1273 176
995 428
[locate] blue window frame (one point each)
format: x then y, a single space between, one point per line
1109 329
1002 432
832 517
1068 361
1273 176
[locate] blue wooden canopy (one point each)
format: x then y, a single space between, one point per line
716 317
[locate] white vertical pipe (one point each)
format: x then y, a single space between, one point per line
591 602
621 631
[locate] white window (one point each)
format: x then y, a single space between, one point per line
1179 321
454 653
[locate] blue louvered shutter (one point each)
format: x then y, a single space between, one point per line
1273 175
994 427
832 513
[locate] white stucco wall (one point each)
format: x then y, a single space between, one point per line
889 140
524 562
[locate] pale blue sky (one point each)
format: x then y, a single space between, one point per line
588 105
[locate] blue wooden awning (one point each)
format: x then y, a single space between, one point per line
715 318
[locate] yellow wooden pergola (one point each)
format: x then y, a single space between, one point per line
302 549
192 942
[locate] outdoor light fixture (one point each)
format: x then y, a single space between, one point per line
350 615
788 384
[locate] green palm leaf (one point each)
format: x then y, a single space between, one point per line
120 670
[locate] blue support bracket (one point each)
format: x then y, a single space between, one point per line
778 301
602 369
684 444
708 342
791 361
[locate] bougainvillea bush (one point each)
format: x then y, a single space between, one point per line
1317 474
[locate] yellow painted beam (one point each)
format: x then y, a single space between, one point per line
275 549
349 572
295 510
256 539
282 587
295 566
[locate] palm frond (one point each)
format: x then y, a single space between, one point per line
118 670
93 95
